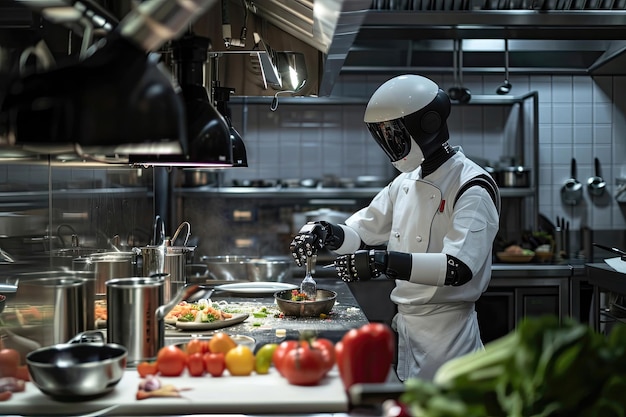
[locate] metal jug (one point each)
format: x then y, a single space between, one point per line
136 313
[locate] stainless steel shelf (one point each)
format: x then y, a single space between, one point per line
311 193
25 196
477 99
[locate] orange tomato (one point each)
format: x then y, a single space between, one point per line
240 361
147 368
197 346
171 361
221 342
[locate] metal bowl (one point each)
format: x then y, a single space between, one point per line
244 268
323 304
77 371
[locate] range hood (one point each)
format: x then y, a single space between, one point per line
545 37
322 30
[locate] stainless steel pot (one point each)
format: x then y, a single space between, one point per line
136 310
513 176
71 295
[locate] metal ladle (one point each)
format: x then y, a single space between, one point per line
458 92
596 183
505 87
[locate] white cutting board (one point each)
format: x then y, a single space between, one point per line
226 394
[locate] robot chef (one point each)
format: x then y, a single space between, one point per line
435 222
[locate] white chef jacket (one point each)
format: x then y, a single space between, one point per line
416 215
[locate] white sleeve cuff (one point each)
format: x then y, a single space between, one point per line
429 269
351 241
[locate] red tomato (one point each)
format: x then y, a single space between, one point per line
171 361
327 348
214 363
9 361
280 352
197 346
195 364
147 368
303 366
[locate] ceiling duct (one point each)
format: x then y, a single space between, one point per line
322 31
545 37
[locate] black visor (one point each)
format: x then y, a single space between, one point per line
393 137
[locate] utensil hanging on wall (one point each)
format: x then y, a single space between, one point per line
505 87
458 92
572 190
596 183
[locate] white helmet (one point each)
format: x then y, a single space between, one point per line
407 118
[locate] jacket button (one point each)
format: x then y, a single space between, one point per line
396 235
418 238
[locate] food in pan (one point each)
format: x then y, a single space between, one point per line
201 311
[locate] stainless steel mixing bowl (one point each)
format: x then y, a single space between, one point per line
77 371
323 304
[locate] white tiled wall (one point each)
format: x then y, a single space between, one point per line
579 117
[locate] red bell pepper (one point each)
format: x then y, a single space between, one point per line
365 355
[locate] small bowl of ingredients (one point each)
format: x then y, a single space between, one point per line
295 303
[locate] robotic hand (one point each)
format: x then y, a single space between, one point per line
367 264
312 237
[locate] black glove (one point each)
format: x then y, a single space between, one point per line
308 241
364 265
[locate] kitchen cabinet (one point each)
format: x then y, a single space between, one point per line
516 292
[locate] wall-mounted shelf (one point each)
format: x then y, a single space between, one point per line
25 196
482 100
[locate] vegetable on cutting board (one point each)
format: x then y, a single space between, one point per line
543 368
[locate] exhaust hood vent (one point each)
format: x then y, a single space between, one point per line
321 30
545 37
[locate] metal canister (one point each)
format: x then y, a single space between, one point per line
106 266
131 322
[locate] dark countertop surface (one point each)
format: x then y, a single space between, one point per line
345 315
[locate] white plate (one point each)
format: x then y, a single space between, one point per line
256 287
218 324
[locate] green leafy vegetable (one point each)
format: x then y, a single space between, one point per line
545 368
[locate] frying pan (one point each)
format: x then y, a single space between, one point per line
596 183
77 370
572 190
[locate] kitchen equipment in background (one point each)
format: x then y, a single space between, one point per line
561 239
596 184
513 176
458 92
505 87
106 266
71 295
199 177
244 268
77 371
136 310
323 304
611 249
572 190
